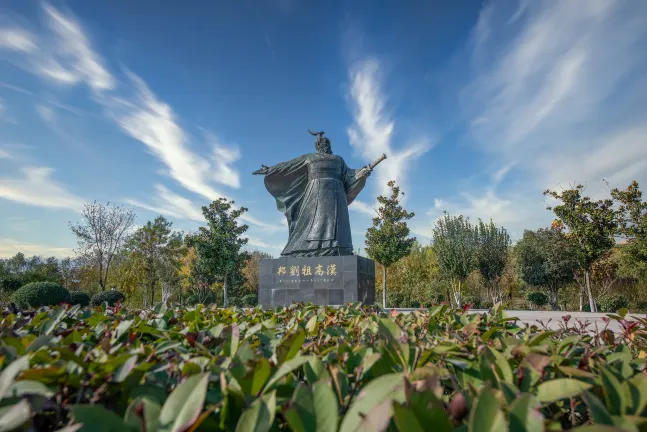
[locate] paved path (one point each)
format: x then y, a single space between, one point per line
552 318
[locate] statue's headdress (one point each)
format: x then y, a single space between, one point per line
321 139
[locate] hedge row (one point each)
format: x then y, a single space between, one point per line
37 294
309 368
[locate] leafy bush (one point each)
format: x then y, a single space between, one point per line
641 306
38 294
537 298
250 300
207 299
9 284
612 303
80 298
111 296
227 369
587 308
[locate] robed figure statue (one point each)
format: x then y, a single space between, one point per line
314 192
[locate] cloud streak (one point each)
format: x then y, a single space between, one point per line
372 131
37 188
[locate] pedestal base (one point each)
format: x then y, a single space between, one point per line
331 280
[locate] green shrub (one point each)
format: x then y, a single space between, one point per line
641 306
233 301
9 284
537 298
37 294
612 303
112 297
80 298
250 300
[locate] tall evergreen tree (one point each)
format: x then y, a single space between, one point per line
387 241
455 244
219 245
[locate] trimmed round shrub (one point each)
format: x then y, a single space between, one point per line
250 300
9 284
642 306
587 307
37 294
612 303
537 298
80 298
112 297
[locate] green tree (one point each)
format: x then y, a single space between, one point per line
101 234
251 271
455 244
633 227
492 248
549 259
591 224
387 241
218 246
155 248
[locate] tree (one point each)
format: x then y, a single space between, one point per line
251 270
218 245
549 259
155 248
455 244
491 256
101 233
633 227
592 224
387 241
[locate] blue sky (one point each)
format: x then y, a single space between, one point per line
164 106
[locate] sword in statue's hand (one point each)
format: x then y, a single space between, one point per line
366 171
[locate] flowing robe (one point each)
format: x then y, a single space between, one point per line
314 191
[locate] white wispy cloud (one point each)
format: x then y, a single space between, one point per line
46 113
362 207
17 39
168 203
4 154
10 247
556 97
37 187
372 131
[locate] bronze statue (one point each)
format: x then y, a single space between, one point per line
314 192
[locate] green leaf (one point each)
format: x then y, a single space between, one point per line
151 413
638 391
314 408
27 387
184 404
232 333
259 416
290 346
380 392
554 390
525 415
405 419
613 392
121 329
285 369
597 410
501 365
11 372
14 416
539 338
396 340
50 324
96 418
486 415
124 370
311 326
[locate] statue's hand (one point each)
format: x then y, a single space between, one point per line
262 170
364 172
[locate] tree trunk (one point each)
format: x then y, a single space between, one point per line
152 293
581 298
457 295
587 276
224 289
384 287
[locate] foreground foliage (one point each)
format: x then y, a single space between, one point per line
307 368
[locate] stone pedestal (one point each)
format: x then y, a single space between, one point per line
331 280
